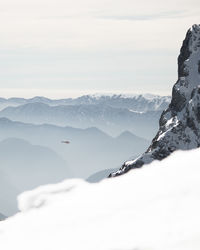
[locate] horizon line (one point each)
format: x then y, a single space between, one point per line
67 93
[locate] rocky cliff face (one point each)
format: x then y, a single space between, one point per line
180 122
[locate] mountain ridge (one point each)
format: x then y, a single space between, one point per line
85 144
139 102
179 125
112 120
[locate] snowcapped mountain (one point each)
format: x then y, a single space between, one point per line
111 113
138 103
180 122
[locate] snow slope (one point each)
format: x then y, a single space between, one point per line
151 208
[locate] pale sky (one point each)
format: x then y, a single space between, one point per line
61 48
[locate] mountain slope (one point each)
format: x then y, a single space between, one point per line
180 122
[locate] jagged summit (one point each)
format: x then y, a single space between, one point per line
180 122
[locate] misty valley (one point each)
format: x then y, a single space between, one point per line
102 132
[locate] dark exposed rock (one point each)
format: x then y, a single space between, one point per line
178 100
184 55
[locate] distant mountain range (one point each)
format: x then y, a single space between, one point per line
139 103
103 131
86 145
112 114
33 155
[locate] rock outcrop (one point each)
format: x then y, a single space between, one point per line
180 122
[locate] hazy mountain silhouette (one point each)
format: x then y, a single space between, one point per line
112 120
2 217
8 194
87 145
140 103
25 166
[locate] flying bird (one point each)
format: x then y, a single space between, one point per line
66 142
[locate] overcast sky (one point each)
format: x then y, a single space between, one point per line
71 47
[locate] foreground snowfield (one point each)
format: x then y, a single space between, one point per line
155 207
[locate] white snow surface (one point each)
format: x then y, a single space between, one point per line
152 208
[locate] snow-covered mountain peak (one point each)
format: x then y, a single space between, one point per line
147 96
180 122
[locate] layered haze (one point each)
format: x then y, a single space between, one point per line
102 130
